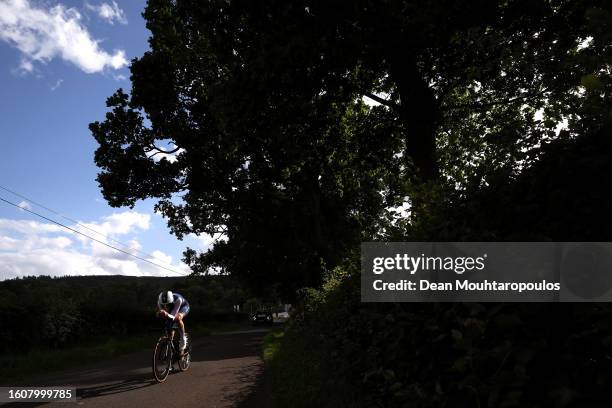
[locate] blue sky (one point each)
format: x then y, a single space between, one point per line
59 61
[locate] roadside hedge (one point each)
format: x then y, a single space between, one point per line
338 352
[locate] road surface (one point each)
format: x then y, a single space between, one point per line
225 371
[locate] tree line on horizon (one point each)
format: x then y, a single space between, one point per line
40 313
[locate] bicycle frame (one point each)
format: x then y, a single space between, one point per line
168 337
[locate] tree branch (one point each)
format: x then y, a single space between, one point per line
479 105
153 147
380 100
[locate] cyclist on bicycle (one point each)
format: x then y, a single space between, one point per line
175 307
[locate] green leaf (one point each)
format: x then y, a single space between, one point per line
591 82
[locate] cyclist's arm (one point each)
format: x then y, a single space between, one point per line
177 306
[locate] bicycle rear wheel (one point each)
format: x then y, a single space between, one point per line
162 360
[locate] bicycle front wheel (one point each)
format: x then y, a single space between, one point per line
185 359
162 360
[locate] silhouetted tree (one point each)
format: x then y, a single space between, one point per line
247 119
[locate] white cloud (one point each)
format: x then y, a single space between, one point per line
37 248
110 228
43 33
207 241
48 262
26 66
25 205
121 223
25 227
109 12
57 84
8 244
159 256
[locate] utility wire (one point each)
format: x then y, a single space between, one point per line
74 221
92 238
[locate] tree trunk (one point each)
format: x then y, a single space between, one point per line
418 113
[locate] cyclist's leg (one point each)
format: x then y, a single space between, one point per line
180 316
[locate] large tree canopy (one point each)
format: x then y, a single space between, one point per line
247 119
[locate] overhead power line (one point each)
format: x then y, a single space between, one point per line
74 221
90 237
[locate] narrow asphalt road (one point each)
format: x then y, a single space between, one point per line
225 372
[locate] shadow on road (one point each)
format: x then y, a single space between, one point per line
253 394
115 387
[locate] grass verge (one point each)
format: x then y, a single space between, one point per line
271 345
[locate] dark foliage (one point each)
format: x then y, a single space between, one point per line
262 106
471 355
563 196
